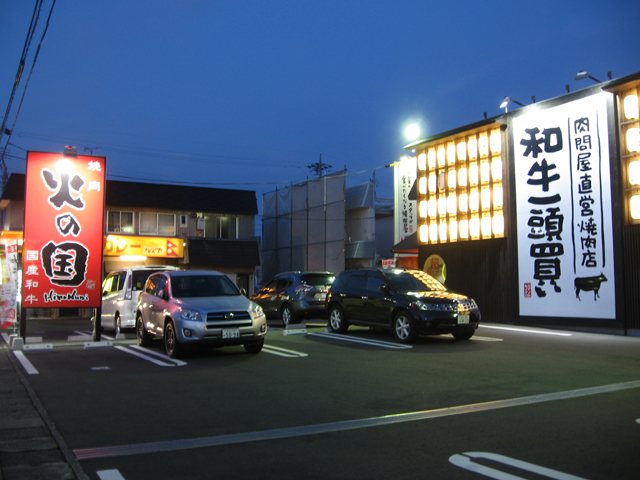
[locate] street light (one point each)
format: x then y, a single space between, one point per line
505 103
583 75
412 131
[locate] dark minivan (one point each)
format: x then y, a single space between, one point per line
409 302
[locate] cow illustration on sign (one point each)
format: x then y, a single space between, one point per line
589 284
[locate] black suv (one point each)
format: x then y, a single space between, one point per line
410 302
293 295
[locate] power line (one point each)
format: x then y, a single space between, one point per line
30 34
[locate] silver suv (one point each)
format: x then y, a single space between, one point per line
198 306
120 290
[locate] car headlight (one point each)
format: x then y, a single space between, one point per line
437 307
255 310
191 315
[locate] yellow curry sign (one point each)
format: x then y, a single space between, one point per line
117 245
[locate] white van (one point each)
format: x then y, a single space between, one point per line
120 290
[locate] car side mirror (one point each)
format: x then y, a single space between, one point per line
104 293
386 289
243 292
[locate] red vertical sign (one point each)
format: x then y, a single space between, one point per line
63 231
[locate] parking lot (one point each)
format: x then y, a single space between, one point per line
525 402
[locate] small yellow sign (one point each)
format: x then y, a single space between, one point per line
434 265
159 247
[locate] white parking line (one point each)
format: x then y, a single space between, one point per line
465 461
340 426
283 352
486 339
178 363
26 364
526 330
113 474
349 338
144 357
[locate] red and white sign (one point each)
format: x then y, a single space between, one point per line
63 231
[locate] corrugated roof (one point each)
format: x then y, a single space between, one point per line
161 196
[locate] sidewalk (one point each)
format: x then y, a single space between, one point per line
30 446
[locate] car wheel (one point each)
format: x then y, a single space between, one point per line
337 321
404 327
254 347
464 335
287 315
143 337
171 344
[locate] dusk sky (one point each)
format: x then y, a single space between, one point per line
246 93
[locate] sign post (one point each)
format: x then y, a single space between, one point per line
63 231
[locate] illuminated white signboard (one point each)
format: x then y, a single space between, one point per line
404 172
563 196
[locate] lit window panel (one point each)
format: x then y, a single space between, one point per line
453 230
634 207
463 202
473 174
442 156
422 185
462 150
433 179
452 203
633 139
451 153
474 227
495 142
485 198
483 145
431 158
634 172
442 206
472 145
496 169
442 231
485 171
424 233
462 176
498 224
474 201
433 232
485 226
630 107
451 178
497 196
422 209
463 229
422 162
432 207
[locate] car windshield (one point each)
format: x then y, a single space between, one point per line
415 281
317 279
140 276
203 286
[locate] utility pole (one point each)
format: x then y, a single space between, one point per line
319 167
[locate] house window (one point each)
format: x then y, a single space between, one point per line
120 222
157 224
219 226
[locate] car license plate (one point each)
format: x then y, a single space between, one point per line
228 333
463 318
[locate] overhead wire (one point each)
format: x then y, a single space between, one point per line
30 34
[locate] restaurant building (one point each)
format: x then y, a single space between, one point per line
160 224
536 212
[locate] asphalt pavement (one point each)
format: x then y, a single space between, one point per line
30 446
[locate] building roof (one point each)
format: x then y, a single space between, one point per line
224 253
160 196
